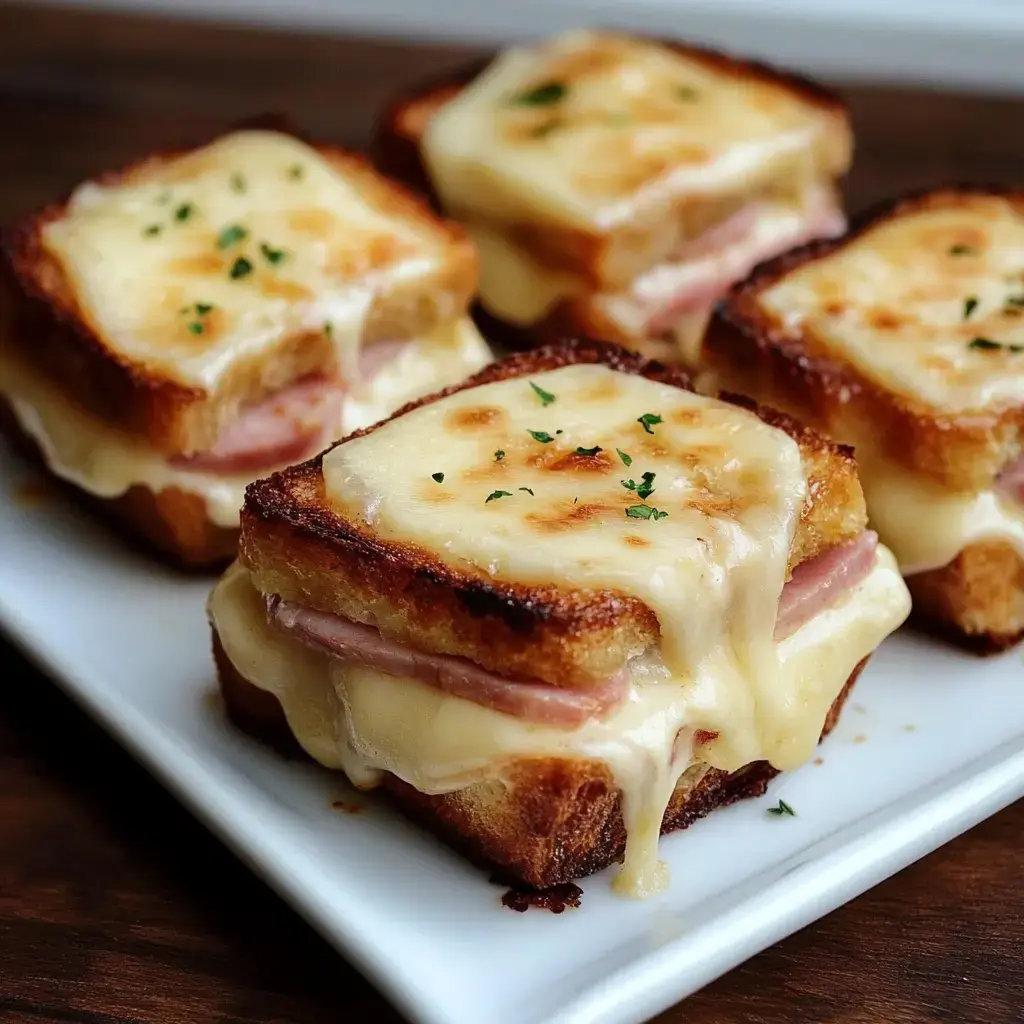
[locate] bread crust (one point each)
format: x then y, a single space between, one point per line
750 349
545 821
295 545
52 332
171 523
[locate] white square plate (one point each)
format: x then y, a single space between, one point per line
932 741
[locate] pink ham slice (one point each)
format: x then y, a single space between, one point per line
288 425
530 700
1011 480
815 585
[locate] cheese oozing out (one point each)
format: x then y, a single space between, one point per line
81 448
188 265
707 506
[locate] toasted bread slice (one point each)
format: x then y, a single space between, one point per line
546 820
215 289
905 338
298 546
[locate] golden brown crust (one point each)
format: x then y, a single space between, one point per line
546 820
172 522
751 350
297 546
45 321
976 601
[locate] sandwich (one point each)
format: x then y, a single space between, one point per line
176 328
558 609
615 186
905 338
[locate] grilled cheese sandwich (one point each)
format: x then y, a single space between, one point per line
665 516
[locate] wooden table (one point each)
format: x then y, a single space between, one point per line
115 905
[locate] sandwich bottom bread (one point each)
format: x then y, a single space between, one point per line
558 609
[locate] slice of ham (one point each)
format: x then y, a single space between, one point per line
288 425
820 582
527 699
1010 481
815 585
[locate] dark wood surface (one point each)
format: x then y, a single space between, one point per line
115 905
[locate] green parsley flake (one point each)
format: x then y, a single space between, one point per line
230 236
153 230
645 512
589 451
630 485
296 171
648 420
202 308
783 808
987 345
970 305
646 488
541 435
329 329
497 494
961 250
196 327
529 490
183 212
240 268
545 397
1016 300
499 455
271 255
437 477
237 183
627 460
542 95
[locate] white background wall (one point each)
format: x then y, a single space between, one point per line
972 44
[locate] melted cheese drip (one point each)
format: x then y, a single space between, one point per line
732 488
365 722
82 449
141 253
893 303
634 126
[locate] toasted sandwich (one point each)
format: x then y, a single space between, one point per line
181 326
558 609
616 186
905 338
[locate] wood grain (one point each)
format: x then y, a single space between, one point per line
115 906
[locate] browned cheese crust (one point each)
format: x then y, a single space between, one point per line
546 820
171 523
752 351
297 546
46 323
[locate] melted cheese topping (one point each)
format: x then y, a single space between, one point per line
366 722
84 450
146 256
595 129
904 301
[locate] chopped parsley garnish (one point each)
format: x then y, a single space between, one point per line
437 477
183 212
202 308
529 491
646 487
630 485
153 229
783 808
648 420
497 494
987 345
196 327
329 329
230 236
627 460
499 455
296 171
970 305
1016 300
271 255
589 451
686 92
960 250
545 397
240 268
645 512
542 95
237 182
541 435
